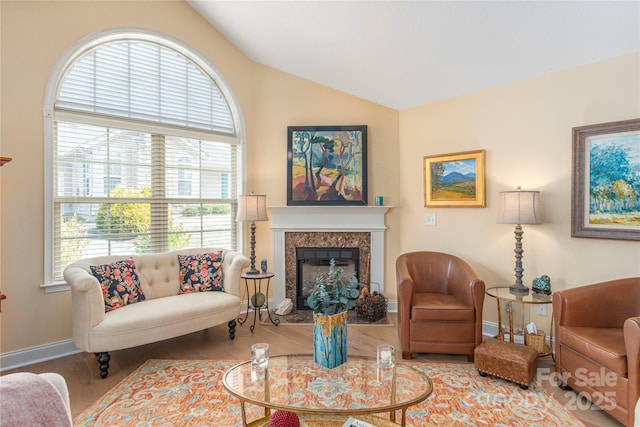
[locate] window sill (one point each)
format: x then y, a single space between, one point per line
55 287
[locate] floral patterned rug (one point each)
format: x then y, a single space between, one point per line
191 393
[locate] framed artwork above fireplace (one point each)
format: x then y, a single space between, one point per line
326 165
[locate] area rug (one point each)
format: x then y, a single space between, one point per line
191 393
305 317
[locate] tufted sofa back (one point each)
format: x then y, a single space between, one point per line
159 273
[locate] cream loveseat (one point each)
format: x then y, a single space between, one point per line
164 313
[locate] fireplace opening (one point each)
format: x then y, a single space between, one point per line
310 262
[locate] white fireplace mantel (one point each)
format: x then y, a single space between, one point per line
326 219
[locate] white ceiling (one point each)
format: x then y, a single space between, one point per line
402 54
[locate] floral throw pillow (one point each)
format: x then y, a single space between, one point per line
200 272
119 282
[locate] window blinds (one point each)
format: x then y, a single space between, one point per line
145 81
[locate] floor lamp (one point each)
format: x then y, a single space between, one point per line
519 207
252 208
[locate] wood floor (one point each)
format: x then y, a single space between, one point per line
86 387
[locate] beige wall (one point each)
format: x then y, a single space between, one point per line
525 128
35 34
282 100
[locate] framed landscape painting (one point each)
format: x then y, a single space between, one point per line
455 180
327 165
605 197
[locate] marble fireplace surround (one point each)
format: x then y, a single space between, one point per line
325 226
322 239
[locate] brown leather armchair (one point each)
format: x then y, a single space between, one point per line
597 344
440 301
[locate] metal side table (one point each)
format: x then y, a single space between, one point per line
258 300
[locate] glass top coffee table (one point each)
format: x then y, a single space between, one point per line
358 387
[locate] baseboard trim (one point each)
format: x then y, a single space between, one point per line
490 330
41 353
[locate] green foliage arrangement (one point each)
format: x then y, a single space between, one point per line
331 294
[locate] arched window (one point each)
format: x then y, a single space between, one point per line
143 151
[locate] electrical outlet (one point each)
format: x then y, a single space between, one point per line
430 219
542 309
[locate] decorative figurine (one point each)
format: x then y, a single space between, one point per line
542 285
263 265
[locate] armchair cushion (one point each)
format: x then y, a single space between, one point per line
440 307
604 345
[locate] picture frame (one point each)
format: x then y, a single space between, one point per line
605 196
455 180
327 165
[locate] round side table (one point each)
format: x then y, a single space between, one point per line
512 298
258 299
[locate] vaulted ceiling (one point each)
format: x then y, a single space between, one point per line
402 54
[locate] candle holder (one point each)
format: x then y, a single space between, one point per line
260 355
385 356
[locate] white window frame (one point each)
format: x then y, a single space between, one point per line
55 78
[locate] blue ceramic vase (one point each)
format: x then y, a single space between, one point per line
330 339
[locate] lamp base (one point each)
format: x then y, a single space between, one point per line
518 288
252 271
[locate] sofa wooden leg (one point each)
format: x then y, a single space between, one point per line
232 329
407 355
103 359
470 357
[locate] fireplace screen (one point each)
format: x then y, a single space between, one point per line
310 262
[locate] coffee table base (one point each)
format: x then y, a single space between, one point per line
321 420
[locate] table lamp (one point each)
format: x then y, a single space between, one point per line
252 208
519 207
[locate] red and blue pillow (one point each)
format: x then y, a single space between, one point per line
201 272
119 282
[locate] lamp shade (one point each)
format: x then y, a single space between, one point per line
519 207
252 207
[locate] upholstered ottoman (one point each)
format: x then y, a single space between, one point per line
513 362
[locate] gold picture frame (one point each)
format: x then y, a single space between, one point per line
455 180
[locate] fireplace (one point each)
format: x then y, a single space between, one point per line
359 227
311 262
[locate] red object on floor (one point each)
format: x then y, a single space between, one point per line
284 419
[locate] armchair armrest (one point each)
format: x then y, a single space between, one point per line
405 294
632 345
404 281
